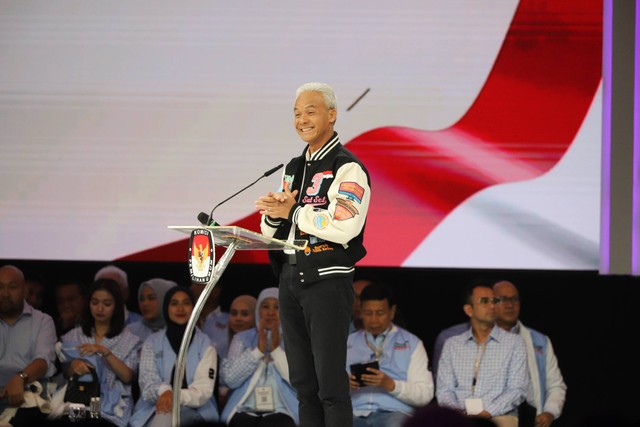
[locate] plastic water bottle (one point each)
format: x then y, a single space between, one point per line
94 408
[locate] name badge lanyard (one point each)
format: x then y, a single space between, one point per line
377 351
476 367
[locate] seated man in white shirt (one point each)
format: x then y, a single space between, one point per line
386 397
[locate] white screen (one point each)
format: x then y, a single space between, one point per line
120 118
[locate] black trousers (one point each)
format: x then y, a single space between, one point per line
28 417
276 420
315 323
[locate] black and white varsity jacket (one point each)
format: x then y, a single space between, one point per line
333 199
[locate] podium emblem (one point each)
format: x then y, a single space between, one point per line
201 255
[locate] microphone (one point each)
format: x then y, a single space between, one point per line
208 219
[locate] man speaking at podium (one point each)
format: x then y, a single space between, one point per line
324 199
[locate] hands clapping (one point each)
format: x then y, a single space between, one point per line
264 327
277 205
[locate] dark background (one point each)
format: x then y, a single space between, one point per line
590 318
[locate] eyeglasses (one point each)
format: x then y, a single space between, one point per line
503 300
488 300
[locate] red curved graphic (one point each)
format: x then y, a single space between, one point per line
520 125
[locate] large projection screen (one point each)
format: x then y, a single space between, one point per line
480 125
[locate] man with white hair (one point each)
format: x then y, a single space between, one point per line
324 200
120 277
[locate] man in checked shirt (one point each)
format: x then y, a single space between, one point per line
483 371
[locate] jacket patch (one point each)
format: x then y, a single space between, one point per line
320 221
344 210
352 190
314 201
287 179
321 248
401 345
316 182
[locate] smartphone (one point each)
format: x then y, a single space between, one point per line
357 369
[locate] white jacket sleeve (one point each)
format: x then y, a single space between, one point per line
345 216
418 390
556 387
201 389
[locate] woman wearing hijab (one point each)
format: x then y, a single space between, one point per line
103 343
242 316
150 295
157 365
257 373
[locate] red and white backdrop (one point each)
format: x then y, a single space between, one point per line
480 124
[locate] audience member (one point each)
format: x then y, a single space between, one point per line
447 333
150 295
547 389
157 368
483 371
213 321
257 372
27 339
35 290
102 343
242 316
356 319
121 278
70 302
387 396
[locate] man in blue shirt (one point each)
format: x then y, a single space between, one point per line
483 371
27 339
387 396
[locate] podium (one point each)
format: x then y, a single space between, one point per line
233 238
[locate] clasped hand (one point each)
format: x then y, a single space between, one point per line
277 205
263 331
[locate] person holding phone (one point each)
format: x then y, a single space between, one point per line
386 395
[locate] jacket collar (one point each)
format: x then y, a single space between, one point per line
333 142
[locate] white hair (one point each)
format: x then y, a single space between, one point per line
327 93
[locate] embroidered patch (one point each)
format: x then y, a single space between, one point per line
321 248
401 345
352 190
316 182
287 179
212 373
344 210
320 221
314 201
